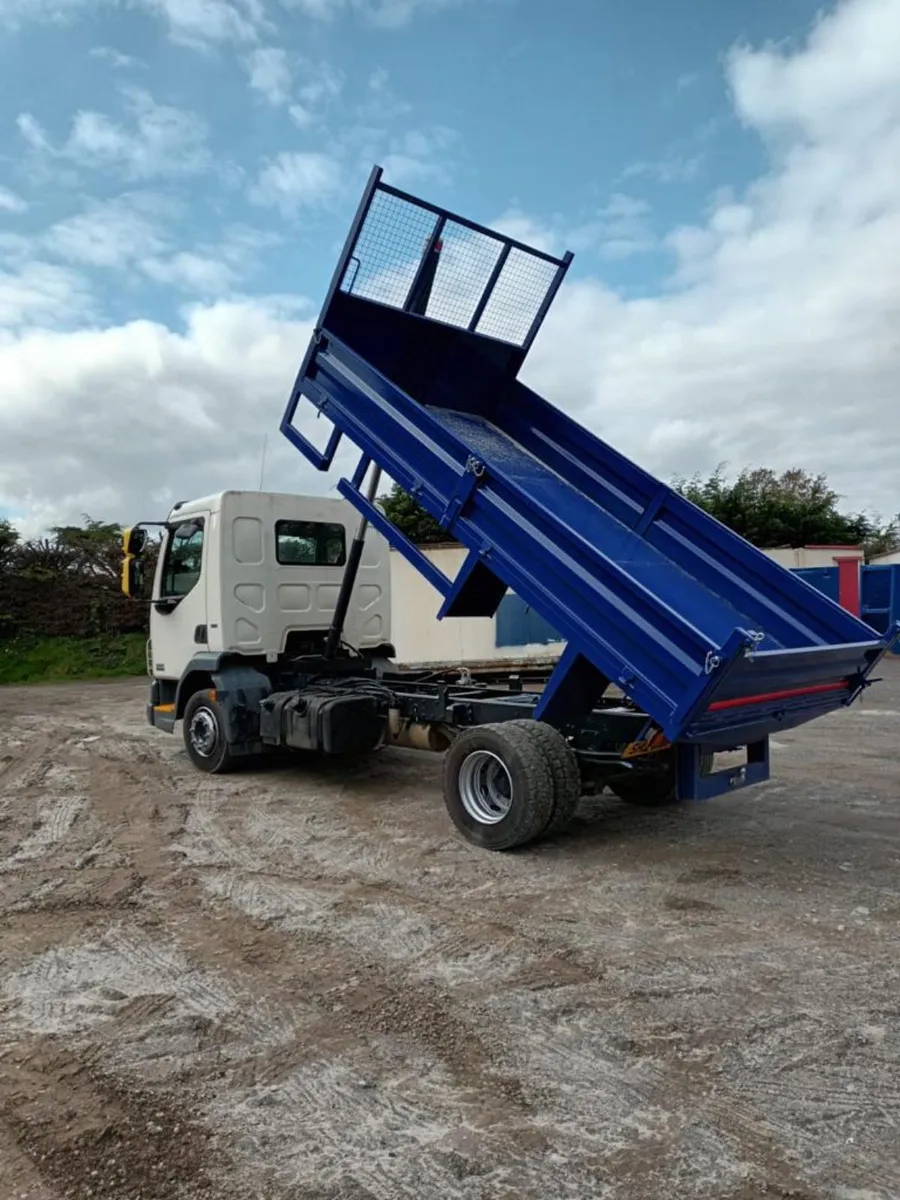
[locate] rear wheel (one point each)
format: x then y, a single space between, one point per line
564 770
203 729
498 786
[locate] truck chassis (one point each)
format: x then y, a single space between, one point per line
508 779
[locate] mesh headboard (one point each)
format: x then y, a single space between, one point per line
416 257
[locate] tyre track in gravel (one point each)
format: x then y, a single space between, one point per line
416 1019
744 1128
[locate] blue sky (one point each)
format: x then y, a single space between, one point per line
176 177
487 107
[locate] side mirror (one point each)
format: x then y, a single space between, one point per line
132 577
134 541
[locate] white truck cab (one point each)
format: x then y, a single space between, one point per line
253 578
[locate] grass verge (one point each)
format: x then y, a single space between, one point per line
27 659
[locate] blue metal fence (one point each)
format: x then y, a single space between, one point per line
823 579
881 596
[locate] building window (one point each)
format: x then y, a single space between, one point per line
184 558
309 544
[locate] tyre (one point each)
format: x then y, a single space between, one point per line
655 789
203 729
498 786
564 771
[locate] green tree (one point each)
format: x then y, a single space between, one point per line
9 539
411 518
794 508
95 547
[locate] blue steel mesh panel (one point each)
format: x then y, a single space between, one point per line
391 245
388 250
463 271
514 302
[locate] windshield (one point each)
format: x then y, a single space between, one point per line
183 558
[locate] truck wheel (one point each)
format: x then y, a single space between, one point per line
498 787
203 729
655 789
564 771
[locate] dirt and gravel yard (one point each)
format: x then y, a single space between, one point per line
296 983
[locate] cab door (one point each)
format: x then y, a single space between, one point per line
178 615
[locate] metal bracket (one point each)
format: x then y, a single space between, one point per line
864 678
473 475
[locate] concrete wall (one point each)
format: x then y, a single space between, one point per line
887 560
813 556
420 638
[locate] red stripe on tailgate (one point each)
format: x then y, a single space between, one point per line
765 697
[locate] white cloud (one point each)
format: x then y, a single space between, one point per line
673 168
171 415
14 13
197 23
619 230
390 14
270 74
136 231
110 234
295 180
393 14
10 202
687 80
518 225
33 133
321 85
382 106
39 292
301 116
845 85
115 58
419 156
211 270
197 273
158 140
775 341
319 10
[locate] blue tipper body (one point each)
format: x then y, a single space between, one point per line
416 359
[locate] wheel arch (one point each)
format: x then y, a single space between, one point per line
239 688
195 680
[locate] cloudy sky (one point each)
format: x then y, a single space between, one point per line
176 178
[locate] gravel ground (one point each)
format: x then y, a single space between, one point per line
296 983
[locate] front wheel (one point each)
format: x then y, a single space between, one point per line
498 788
203 729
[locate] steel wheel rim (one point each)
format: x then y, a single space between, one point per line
485 787
204 732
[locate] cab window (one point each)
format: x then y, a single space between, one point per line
184 557
309 544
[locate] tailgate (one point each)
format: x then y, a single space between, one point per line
758 693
